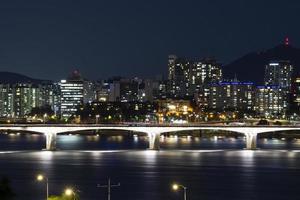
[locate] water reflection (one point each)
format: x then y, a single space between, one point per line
103 141
209 174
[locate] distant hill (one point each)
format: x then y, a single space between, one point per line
9 77
251 66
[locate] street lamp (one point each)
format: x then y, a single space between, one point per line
176 187
44 117
42 178
97 118
70 192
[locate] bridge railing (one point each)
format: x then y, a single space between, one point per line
144 125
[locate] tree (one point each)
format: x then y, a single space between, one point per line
41 111
6 192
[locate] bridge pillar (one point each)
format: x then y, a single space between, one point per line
154 141
251 139
50 141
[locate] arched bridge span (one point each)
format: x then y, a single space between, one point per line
153 131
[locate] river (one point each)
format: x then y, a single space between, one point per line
212 168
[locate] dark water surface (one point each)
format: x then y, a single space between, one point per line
211 168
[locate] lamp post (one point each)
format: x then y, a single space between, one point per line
97 118
44 118
70 192
176 187
42 178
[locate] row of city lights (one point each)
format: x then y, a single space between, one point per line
70 192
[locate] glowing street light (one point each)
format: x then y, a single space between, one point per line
42 178
70 192
176 187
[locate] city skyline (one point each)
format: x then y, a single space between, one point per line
134 39
149 100
194 91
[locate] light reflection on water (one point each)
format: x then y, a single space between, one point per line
147 175
17 141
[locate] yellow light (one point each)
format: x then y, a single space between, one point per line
185 108
40 177
69 192
172 107
175 187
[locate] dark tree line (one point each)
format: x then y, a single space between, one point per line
6 192
116 111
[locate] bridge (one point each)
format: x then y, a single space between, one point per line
153 131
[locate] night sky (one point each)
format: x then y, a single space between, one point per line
48 39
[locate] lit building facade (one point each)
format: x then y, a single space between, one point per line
187 77
227 95
270 102
162 91
71 96
278 79
295 100
178 76
89 91
279 73
174 111
202 73
108 91
129 90
18 99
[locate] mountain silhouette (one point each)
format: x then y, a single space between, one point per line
251 67
10 77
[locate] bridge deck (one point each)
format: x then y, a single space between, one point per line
148 125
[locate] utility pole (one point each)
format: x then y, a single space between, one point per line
109 186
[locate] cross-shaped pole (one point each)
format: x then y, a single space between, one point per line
109 186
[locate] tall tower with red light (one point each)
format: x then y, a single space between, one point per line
287 41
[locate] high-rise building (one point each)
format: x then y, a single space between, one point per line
71 94
227 95
270 101
187 77
18 99
56 98
279 73
203 72
126 90
162 91
178 76
147 89
89 91
7 100
129 90
295 103
108 91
